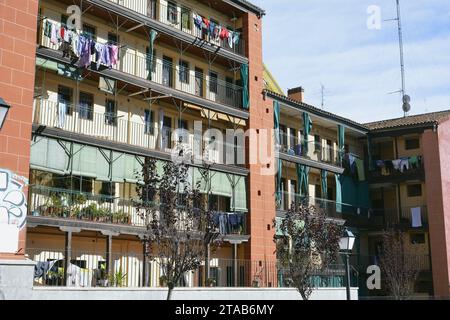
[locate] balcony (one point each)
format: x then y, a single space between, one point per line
310 150
89 270
213 87
390 217
83 206
111 127
384 171
179 18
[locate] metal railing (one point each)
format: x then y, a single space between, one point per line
211 86
71 204
130 269
180 18
111 127
329 206
76 205
309 149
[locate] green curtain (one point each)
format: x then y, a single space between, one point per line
276 118
323 176
307 127
220 184
369 152
244 78
49 155
341 142
84 161
240 194
338 193
303 179
150 57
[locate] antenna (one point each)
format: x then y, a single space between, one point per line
322 90
406 99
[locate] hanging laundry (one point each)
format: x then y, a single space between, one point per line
205 24
212 27
114 54
236 37
404 164
224 33
62 32
84 46
48 29
396 164
217 31
230 39
416 217
197 20
413 162
54 34
75 44
360 169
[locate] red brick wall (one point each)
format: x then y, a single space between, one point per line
18 21
437 169
262 187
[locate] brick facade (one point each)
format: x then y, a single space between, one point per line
261 186
17 69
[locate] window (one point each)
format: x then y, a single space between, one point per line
64 20
89 31
414 190
172 12
317 143
65 98
185 18
184 71
183 124
417 238
213 82
318 191
113 38
283 131
148 120
292 137
82 184
229 88
107 188
167 72
411 144
86 106
110 112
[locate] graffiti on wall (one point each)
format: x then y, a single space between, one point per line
13 202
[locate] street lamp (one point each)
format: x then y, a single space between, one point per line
4 108
346 246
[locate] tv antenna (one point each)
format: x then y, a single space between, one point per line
322 92
405 98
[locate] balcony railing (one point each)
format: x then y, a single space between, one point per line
385 169
211 86
75 205
309 149
391 216
178 18
109 126
329 206
89 269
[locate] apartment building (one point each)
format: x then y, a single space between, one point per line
85 113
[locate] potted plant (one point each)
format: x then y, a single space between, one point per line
117 279
210 282
163 281
102 276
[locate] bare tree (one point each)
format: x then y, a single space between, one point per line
400 269
179 226
308 246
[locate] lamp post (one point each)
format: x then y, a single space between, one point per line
4 108
346 246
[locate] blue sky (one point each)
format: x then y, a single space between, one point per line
310 42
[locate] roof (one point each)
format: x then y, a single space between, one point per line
426 119
316 111
249 6
270 83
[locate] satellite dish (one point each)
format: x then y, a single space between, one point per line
406 107
406 99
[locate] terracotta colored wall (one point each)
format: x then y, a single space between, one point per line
262 186
437 169
18 20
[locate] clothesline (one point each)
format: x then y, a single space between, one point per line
215 30
400 164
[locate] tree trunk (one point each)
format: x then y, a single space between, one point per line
169 293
